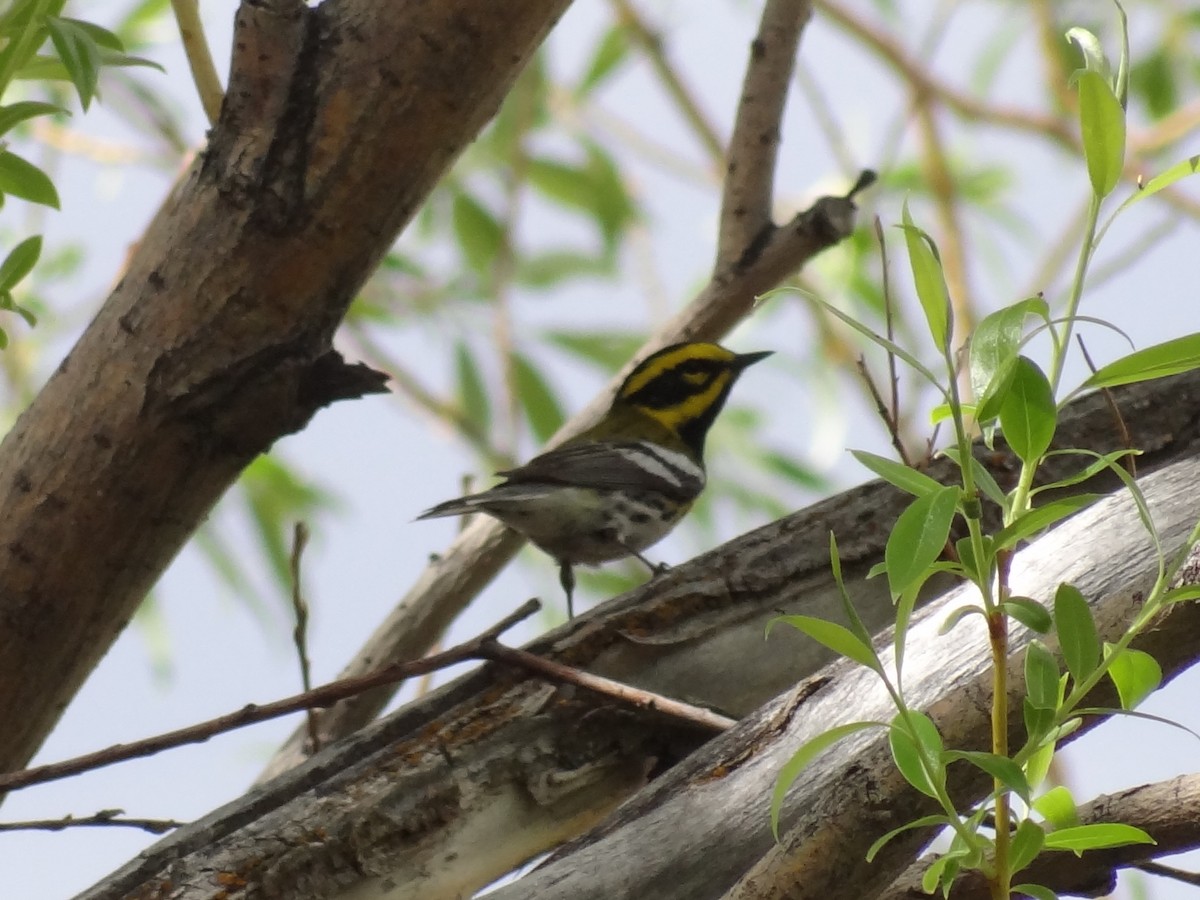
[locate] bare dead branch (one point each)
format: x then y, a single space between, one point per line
252 714
642 699
106 818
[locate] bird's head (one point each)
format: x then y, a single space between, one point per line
684 386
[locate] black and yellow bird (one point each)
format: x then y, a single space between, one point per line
623 484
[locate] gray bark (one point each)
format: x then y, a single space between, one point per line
448 793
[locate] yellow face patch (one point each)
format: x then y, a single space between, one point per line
674 417
670 358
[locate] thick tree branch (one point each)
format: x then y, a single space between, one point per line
852 794
338 121
517 766
444 589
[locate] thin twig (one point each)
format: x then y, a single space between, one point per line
650 41
556 671
251 714
1130 460
882 410
1156 868
485 646
109 818
300 632
754 146
195 45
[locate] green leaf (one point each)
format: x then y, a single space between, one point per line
537 399
1102 127
472 393
611 51
479 234
1136 675
1057 807
19 262
957 615
1189 166
1042 517
983 478
1029 613
857 627
838 638
994 346
15 113
928 280
904 477
608 350
808 751
887 344
25 180
1041 677
1028 415
1169 358
1094 58
1076 632
594 189
914 751
923 822
1182 594
552 268
79 54
1026 844
1001 768
99 35
941 872
1134 714
919 537
1100 463
1037 767
1096 837
1036 891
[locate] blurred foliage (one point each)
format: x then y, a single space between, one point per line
533 265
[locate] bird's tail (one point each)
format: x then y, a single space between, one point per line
460 507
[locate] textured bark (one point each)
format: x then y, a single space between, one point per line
338 121
499 766
702 831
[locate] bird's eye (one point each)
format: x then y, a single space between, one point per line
697 378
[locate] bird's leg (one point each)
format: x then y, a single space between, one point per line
566 576
656 569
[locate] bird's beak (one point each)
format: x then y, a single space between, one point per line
748 359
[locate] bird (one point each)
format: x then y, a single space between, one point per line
619 487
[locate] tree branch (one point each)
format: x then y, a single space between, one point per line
754 146
444 589
516 766
217 340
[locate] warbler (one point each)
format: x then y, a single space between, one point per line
622 485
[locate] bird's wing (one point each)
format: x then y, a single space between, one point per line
630 465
